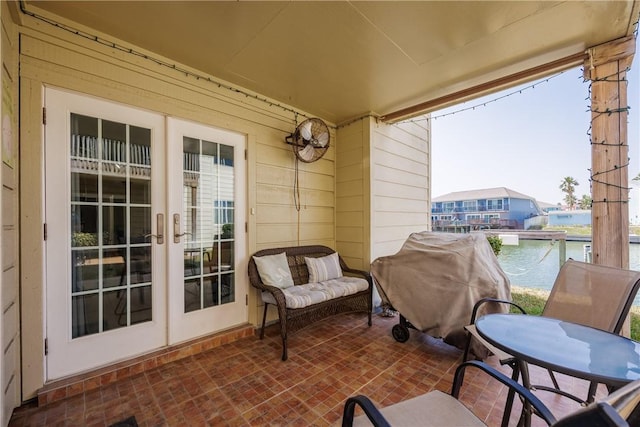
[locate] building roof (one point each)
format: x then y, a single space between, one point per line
547 205
485 193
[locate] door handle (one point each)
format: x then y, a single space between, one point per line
176 229
159 228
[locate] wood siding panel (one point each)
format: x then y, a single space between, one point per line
389 189
9 293
395 233
351 204
392 219
267 214
400 197
350 174
351 158
350 234
318 215
352 193
395 204
352 188
389 247
397 176
350 218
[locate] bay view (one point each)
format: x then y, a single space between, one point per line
535 263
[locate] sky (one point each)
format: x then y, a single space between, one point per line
528 141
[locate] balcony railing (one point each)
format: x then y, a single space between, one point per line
475 224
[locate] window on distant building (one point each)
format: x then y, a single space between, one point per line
494 204
449 207
470 205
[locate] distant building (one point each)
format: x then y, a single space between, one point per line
482 209
550 207
634 202
570 218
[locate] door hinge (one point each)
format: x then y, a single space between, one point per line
245 154
246 299
46 346
44 115
246 227
44 230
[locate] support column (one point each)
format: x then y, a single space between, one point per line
606 68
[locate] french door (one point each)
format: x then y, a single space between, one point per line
206 215
141 249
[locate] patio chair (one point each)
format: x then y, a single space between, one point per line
588 294
440 409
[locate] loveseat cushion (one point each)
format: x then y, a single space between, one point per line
299 296
336 288
274 270
323 268
313 293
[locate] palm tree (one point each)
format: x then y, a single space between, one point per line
585 202
568 186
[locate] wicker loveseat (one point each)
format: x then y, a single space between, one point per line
293 319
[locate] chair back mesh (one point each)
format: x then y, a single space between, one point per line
592 295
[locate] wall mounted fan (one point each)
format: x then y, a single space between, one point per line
310 140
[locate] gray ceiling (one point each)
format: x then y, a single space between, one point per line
340 60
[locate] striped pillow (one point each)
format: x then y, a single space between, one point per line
323 268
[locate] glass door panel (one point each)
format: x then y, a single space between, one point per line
208 178
107 227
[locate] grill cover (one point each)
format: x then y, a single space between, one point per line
436 278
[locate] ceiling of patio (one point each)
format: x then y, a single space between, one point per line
340 60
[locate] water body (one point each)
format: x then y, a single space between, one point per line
535 263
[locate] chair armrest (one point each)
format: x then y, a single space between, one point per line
539 407
277 293
374 415
482 301
365 274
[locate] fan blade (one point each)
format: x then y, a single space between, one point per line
307 152
322 140
305 130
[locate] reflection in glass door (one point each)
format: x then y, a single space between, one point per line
208 179
111 225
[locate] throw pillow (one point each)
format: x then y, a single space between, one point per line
274 270
323 268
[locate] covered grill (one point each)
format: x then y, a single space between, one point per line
434 281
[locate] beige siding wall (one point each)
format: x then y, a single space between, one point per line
400 184
382 187
9 294
51 56
352 193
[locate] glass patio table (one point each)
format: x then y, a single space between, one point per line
564 347
579 351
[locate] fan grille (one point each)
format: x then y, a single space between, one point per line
311 140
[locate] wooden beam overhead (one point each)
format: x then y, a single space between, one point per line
620 49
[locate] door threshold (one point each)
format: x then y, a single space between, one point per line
56 390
